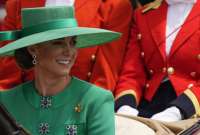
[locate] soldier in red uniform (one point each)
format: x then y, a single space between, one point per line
98 65
162 64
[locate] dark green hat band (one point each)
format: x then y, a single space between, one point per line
9 35
57 24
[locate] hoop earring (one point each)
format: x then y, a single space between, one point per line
34 60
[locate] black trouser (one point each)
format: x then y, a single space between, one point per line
164 95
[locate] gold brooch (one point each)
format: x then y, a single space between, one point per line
77 108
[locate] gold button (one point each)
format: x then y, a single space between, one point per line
89 74
93 57
142 54
170 70
193 74
198 56
151 71
139 36
164 69
190 86
147 85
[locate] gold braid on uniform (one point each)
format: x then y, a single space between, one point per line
153 5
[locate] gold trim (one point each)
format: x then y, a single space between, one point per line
130 91
153 5
194 100
77 108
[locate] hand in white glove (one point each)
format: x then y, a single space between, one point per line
168 115
127 110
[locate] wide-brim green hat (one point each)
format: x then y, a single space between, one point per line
49 23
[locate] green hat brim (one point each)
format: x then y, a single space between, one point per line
86 37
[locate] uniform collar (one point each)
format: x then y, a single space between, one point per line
172 2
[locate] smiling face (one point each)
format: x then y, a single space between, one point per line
55 57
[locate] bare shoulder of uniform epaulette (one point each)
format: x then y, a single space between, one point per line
153 5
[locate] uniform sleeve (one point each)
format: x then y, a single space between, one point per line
132 78
114 15
101 117
189 101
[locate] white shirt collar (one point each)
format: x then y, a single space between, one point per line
59 2
172 2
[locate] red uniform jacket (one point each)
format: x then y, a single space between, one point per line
146 63
98 65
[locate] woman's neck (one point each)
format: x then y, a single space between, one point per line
49 85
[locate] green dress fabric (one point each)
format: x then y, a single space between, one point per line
80 109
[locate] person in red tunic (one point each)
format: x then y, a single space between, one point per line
162 64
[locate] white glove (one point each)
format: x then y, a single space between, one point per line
168 115
127 110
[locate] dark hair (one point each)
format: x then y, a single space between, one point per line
23 58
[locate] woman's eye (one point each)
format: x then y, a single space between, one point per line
62 43
57 43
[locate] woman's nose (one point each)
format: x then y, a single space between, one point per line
67 49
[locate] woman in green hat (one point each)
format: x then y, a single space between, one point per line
56 103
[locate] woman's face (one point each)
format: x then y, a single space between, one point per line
55 57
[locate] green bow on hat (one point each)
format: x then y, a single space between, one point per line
49 23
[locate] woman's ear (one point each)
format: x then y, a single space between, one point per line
32 50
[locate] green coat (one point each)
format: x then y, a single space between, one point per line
81 109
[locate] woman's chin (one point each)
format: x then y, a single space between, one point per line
63 72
